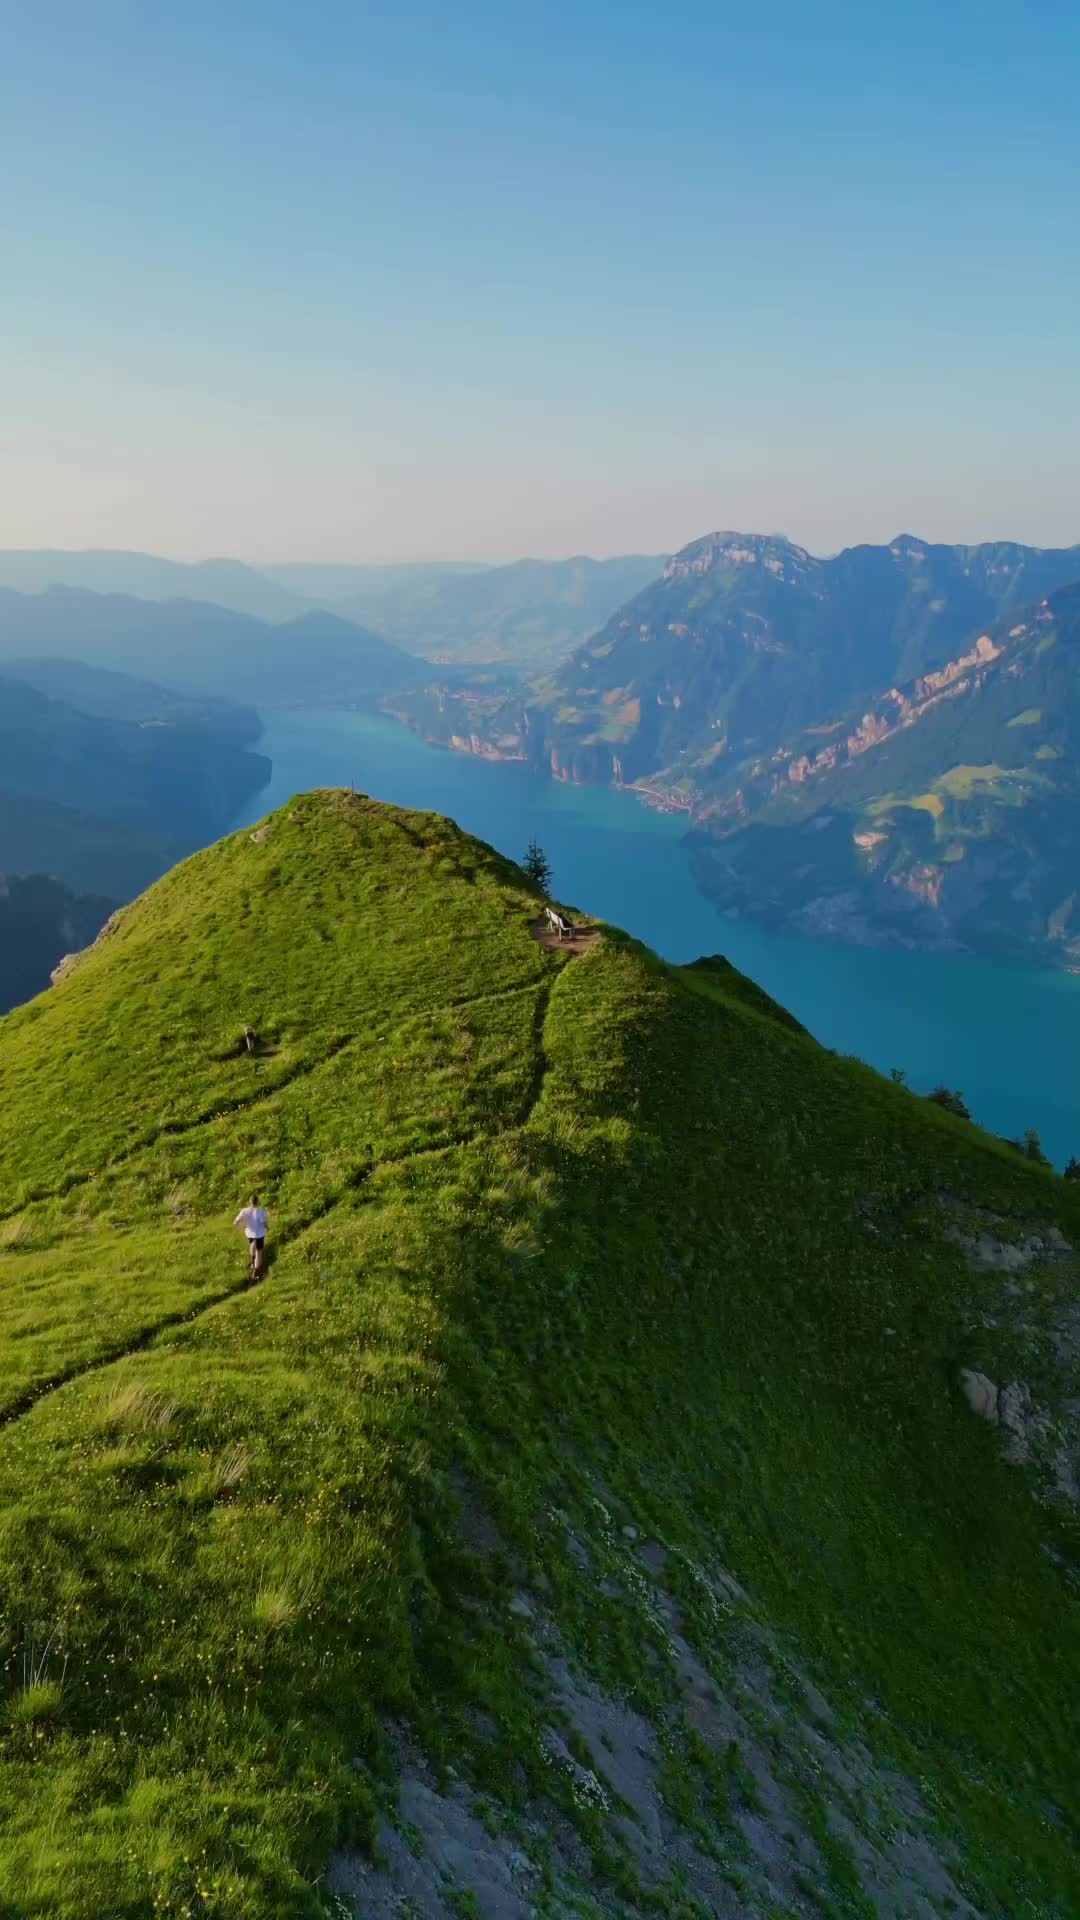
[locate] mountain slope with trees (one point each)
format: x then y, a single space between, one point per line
224 583
795 707
104 795
947 813
641 1483
40 921
743 641
202 650
529 614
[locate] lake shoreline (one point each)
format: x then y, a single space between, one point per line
1005 1034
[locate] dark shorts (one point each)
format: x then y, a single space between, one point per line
252 1242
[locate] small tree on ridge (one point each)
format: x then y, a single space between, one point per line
538 867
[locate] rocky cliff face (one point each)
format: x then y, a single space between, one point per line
904 691
946 815
747 640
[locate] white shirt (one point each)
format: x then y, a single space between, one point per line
253 1221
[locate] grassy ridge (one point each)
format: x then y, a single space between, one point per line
530 1216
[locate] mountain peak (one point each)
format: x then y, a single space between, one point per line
546 1310
771 551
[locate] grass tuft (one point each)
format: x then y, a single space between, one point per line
135 1405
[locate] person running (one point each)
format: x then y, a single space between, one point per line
254 1222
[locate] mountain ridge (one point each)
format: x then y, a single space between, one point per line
945 815
738 672
527 612
574 1513
107 780
201 649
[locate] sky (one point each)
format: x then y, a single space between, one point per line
340 281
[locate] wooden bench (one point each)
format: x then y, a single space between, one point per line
558 924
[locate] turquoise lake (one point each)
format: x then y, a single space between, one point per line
1008 1036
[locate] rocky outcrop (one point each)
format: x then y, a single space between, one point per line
71 960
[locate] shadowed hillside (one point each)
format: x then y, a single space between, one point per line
40 921
643 1481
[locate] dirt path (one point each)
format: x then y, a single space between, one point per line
579 941
145 1339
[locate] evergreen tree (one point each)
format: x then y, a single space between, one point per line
1033 1148
538 867
1072 1171
952 1102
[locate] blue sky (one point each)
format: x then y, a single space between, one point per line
306 279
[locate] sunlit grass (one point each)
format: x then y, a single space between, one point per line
529 1217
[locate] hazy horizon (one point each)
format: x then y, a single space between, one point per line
478 563
354 286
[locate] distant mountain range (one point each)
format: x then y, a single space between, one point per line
105 781
528 614
842 733
105 794
203 650
794 706
224 583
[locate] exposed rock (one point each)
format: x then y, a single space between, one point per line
1014 1410
448 1853
64 966
1005 1255
444 1855
981 1394
70 960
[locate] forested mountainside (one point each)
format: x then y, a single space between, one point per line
40 921
527 614
754 681
108 695
744 640
105 794
530 614
167 779
202 650
946 813
224 583
644 1482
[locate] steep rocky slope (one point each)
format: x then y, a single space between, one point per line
946 813
643 1482
743 641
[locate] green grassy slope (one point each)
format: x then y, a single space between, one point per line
534 1220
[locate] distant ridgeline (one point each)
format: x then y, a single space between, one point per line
105 780
882 746
129 686
529 613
